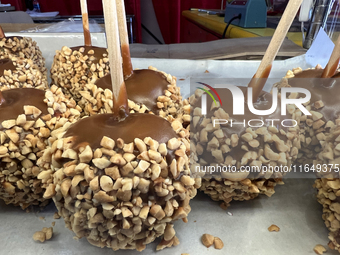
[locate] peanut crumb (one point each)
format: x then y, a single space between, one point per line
274 228
43 235
331 245
319 249
53 224
223 206
218 244
56 216
41 218
207 240
39 236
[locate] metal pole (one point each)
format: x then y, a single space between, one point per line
321 11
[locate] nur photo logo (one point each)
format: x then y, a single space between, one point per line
241 100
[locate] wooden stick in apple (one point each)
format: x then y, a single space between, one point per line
262 73
120 107
333 62
124 39
86 26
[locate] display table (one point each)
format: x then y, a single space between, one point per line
7 8
13 28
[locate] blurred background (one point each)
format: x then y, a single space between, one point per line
158 22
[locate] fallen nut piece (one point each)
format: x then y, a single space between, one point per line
223 206
319 249
218 243
43 235
274 228
48 232
39 236
56 216
331 245
208 240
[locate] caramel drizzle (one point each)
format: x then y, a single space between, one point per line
127 65
120 101
2 33
124 39
120 105
5 62
86 27
258 82
333 61
330 70
2 99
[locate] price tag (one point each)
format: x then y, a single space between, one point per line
321 50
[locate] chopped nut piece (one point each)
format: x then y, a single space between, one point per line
102 197
107 143
101 163
86 155
48 232
174 144
207 240
319 249
39 236
8 124
274 228
106 183
56 216
218 243
224 206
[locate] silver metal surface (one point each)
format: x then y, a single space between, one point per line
319 18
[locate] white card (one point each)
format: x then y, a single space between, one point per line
321 50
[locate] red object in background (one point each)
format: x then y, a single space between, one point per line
192 33
174 27
72 7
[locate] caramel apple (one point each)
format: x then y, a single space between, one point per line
22 47
28 116
246 153
75 67
123 178
323 106
21 73
148 91
129 177
328 184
